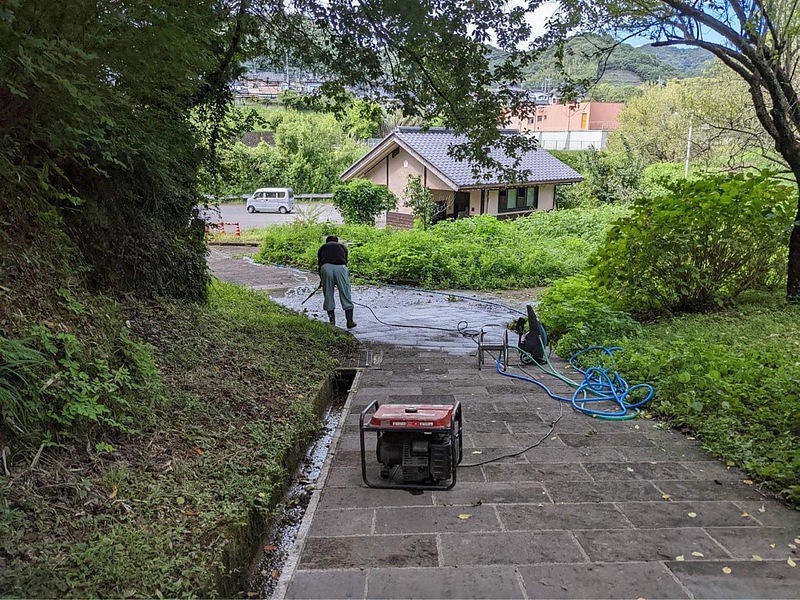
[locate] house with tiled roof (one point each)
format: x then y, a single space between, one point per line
410 151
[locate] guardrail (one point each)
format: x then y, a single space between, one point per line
310 197
220 227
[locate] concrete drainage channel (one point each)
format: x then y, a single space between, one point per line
268 579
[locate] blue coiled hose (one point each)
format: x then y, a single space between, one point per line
599 385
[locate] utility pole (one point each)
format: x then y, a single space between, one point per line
688 148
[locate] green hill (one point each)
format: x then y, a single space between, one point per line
626 65
689 62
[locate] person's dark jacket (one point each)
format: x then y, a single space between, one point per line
332 253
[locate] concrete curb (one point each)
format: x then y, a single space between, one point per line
293 558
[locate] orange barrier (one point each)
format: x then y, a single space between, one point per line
221 228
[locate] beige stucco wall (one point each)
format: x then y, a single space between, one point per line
474 202
396 177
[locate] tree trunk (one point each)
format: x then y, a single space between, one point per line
793 276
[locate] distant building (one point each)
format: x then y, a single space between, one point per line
410 151
576 126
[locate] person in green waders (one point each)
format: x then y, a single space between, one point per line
332 268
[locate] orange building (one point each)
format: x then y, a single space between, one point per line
581 116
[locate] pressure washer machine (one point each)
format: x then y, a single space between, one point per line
418 446
535 341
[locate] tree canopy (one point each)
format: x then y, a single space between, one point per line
756 39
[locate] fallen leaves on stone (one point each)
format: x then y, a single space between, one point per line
726 570
464 516
698 554
692 515
790 562
757 558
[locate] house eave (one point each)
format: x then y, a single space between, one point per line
499 185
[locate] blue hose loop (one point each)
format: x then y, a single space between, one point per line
599 385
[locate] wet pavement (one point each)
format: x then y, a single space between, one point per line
402 317
549 503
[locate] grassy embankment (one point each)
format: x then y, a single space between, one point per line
732 377
213 404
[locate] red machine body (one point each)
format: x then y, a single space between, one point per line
404 416
418 445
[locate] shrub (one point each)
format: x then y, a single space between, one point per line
732 380
360 201
577 315
699 246
475 253
420 200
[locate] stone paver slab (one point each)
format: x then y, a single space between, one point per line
601 491
771 513
658 515
370 498
436 519
444 582
606 440
509 548
648 544
708 490
370 551
541 517
491 493
609 580
642 470
356 521
744 542
328 584
536 472
746 579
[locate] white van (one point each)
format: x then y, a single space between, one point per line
279 200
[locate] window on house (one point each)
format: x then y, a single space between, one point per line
516 199
539 118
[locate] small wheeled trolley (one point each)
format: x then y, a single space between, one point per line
418 446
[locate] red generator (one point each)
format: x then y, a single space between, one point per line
418 445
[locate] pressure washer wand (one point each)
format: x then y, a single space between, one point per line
311 294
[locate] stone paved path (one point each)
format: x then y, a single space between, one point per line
598 509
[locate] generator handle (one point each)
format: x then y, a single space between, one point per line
456 437
374 405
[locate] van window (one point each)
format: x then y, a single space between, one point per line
272 195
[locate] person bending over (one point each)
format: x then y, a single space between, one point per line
332 268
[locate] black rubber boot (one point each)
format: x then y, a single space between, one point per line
332 317
349 315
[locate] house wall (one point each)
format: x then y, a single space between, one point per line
572 140
584 116
604 115
395 176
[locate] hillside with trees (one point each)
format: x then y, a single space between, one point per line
583 59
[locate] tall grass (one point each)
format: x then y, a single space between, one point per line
475 253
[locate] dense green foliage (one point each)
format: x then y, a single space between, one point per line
475 253
609 178
310 152
730 378
360 201
699 246
176 504
420 200
98 140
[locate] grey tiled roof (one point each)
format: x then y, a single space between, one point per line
433 146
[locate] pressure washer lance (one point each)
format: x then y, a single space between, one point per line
311 294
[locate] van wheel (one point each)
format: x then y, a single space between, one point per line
282 210
251 209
